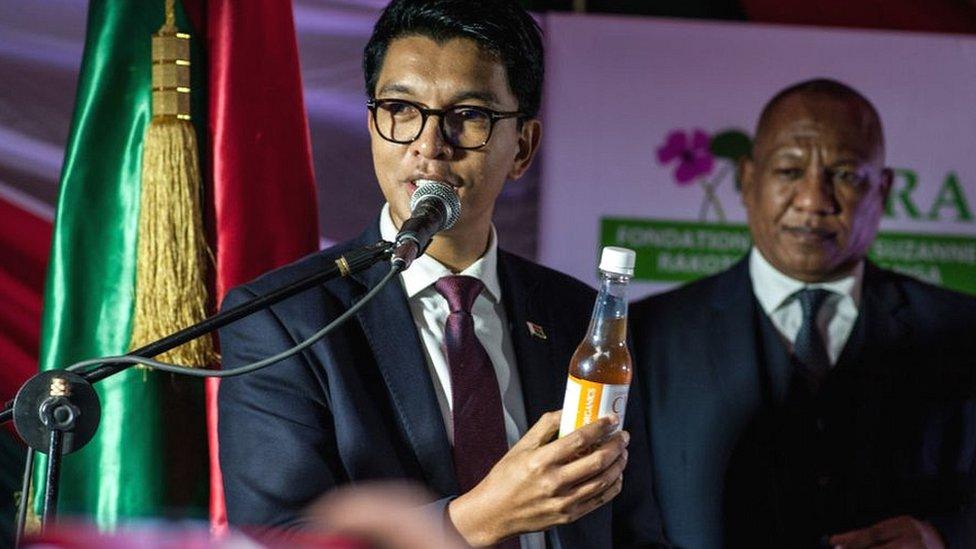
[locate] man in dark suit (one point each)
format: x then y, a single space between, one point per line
450 376
806 396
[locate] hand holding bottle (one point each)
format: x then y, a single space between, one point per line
543 482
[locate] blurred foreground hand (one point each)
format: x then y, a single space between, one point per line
389 515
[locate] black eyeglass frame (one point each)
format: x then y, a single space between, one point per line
493 116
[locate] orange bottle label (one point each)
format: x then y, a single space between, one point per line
586 401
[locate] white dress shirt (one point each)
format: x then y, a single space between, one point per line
776 293
430 310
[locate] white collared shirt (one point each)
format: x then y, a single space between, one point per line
776 293
430 310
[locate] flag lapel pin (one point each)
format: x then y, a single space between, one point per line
536 331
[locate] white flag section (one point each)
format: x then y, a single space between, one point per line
643 118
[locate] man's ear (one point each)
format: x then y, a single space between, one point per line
746 173
530 135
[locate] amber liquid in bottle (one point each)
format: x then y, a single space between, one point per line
600 370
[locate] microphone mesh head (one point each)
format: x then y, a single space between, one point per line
443 193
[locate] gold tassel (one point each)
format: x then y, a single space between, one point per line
32 524
171 291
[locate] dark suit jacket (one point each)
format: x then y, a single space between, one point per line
360 405
736 461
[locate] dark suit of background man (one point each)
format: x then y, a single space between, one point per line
806 396
447 376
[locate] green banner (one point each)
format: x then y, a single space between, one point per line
682 251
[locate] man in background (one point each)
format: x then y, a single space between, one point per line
805 396
450 376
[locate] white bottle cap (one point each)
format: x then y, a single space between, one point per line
618 260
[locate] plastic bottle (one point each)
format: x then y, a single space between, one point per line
600 370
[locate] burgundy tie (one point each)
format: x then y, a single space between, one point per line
479 426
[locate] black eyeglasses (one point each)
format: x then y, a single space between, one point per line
462 126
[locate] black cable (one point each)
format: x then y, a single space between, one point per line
196 372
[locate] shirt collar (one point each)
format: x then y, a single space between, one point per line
426 270
774 289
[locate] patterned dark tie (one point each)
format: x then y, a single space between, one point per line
809 349
479 424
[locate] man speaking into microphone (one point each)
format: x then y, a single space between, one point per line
450 376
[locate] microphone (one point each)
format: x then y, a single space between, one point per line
434 207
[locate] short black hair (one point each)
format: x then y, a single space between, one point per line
500 27
833 89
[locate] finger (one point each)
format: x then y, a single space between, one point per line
599 483
541 433
901 543
881 532
581 440
854 539
861 539
594 463
902 524
587 506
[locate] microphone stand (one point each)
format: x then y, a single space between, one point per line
57 412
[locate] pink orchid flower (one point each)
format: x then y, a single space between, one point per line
695 158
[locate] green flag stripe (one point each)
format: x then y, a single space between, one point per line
89 293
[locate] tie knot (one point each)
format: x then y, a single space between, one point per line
811 299
460 291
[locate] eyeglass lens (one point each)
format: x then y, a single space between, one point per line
461 126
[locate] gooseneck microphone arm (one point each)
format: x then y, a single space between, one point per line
352 262
57 411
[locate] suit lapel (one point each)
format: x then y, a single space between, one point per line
733 360
881 336
543 383
750 388
389 327
881 322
